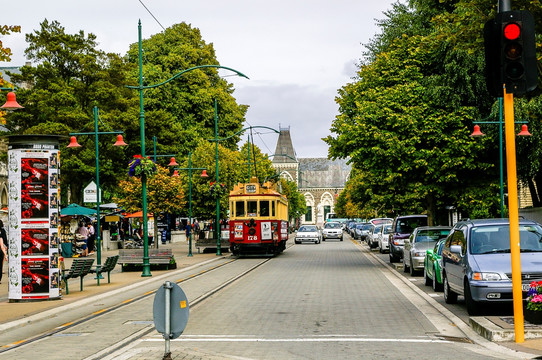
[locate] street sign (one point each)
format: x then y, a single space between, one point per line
90 193
170 316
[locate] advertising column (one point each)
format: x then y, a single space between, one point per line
34 217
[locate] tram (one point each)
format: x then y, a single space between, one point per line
258 219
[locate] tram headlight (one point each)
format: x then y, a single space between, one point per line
251 231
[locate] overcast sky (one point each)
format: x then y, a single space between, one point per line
297 53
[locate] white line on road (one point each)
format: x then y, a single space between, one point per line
319 339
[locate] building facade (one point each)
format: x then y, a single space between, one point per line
320 180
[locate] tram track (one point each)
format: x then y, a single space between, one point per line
147 329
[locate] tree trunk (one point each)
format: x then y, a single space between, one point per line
431 209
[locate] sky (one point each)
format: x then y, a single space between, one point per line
297 53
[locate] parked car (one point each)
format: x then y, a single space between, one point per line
307 233
332 230
383 238
365 233
415 247
373 239
476 261
357 230
402 227
432 270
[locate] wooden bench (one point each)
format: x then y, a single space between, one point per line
79 269
129 257
107 267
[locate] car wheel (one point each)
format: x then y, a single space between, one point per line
380 249
341 238
473 307
436 285
449 296
318 242
413 271
393 259
427 280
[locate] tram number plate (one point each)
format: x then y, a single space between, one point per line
525 287
252 238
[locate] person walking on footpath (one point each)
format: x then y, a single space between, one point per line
3 248
83 236
91 238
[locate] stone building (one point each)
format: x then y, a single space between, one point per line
320 180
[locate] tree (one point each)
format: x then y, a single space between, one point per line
404 123
5 55
185 106
72 75
165 194
260 165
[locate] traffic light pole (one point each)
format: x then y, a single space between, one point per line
513 214
504 5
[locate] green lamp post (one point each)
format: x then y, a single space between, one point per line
203 175
146 265
73 144
477 132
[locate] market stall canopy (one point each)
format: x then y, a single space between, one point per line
138 214
74 210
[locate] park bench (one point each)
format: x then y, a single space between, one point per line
107 267
79 269
163 257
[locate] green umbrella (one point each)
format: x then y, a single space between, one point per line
74 209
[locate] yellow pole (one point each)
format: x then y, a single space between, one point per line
513 214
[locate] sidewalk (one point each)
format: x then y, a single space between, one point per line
14 311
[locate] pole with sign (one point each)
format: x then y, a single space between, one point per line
170 313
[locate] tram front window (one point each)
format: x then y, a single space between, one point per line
252 208
264 208
239 208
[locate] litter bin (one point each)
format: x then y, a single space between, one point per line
67 250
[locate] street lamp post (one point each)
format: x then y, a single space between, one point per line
477 133
146 265
203 175
119 142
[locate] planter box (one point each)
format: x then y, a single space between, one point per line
534 317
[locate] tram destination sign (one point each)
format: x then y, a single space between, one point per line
251 189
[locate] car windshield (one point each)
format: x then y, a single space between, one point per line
367 227
431 235
308 228
387 229
333 226
496 239
378 228
407 225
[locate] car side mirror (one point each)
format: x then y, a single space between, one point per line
456 249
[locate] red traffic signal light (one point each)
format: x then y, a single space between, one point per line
510 53
511 31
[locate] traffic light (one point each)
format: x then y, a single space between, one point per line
510 53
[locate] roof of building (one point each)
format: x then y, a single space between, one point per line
323 172
284 152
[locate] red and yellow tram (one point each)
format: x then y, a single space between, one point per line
258 219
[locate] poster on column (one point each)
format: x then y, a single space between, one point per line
34 218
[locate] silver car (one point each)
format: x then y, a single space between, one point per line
383 238
332 230
476 261
307 233
416 246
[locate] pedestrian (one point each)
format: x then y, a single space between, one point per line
3 248
91 238
82 233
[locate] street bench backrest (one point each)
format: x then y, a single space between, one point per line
110 263
87 266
